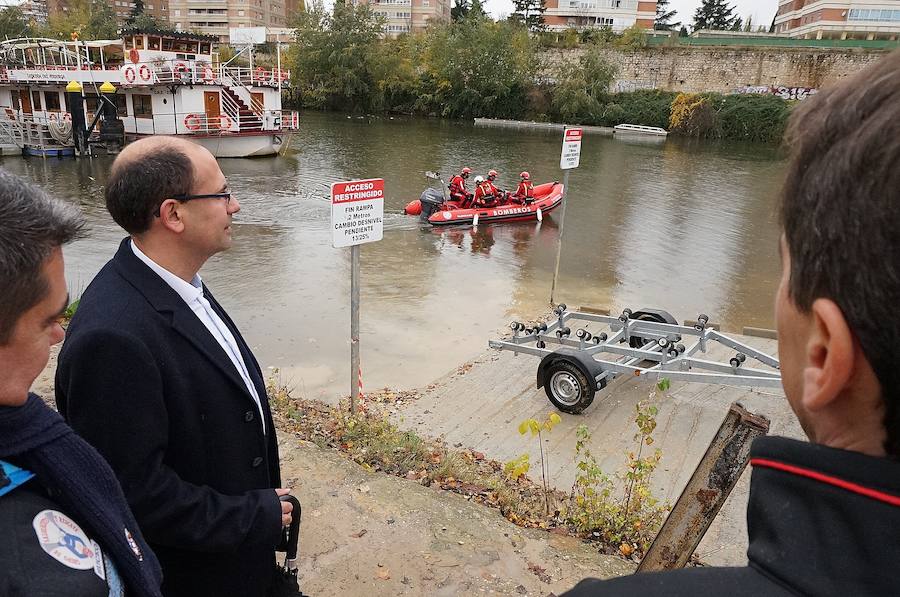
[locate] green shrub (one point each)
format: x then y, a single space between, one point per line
649 108
752 117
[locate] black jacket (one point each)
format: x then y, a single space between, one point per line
26 569
144 381
821 522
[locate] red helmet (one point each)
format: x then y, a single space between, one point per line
525 175
465 171
492 174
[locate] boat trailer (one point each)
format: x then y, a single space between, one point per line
648 343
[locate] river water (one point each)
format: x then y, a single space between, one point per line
685 226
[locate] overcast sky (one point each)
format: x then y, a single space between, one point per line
762 10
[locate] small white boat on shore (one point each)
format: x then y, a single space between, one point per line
637 129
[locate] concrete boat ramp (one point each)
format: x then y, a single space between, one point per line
480 405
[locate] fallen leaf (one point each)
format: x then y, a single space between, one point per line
383 574
359 534
626 549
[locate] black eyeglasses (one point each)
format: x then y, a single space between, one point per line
183 197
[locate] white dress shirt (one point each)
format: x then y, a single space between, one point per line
192 294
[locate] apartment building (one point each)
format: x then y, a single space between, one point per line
839 19
616 14
407 16
215 17
158 9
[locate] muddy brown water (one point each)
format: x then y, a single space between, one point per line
685 226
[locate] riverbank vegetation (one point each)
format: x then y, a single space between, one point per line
476 67
617 511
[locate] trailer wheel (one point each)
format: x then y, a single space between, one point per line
567 387
645 314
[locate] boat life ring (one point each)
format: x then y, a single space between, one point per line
134 56
224 121
145 72
192 122
208 74
67 117
129 74
180 67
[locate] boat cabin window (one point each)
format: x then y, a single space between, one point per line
205 48
153 43
185 56
51 98
136 42
143 105
92 103
168 44
14 96
36 100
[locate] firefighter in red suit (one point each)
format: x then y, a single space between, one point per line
525 192
485 193
498 193
457 187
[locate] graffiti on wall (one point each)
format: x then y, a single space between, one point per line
788 93
624 85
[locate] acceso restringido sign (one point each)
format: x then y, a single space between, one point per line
357 212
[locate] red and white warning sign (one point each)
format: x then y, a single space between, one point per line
571 149
357 212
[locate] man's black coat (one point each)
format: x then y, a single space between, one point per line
142 379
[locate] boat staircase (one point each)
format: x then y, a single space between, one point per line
20 135
247 117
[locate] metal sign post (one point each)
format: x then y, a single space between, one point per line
357 217
569 158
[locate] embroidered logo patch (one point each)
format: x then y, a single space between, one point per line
63 540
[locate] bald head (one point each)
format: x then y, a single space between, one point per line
146 173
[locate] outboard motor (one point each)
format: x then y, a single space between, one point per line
431 200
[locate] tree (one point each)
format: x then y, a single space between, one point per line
477 10
748 24
664 17
13 23
136 11
460 9
331 56
88 19
530 13
738 24
683 32
714 14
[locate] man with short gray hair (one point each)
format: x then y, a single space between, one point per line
66 526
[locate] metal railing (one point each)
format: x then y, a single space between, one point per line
195 72
198 123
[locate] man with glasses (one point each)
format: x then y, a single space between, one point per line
158 378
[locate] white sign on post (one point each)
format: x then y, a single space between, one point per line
571 149
357 212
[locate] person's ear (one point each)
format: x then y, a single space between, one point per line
170 217
830 356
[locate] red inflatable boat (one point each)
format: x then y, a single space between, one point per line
433 208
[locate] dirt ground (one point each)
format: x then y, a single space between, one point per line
371 534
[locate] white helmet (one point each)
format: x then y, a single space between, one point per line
479 179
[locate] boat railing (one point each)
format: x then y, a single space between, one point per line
197 72
199 123
258 76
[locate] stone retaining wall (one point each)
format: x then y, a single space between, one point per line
696 69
